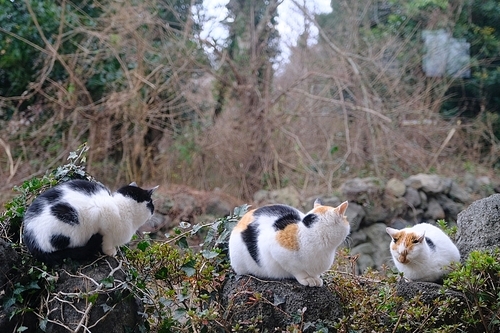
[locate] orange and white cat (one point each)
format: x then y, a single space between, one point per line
280 242
422 252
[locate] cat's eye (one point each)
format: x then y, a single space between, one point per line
395 240
416 241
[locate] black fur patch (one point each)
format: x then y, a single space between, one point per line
286 215
151 206
52 195
36 208
94 245
282 222
309 220
138 194
250 235
430 243
85 186
65 213
59 241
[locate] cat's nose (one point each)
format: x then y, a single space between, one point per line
402 257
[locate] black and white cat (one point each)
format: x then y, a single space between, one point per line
79 219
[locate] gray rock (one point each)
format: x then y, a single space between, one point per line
362 190
430 184
365 259
479 226
458 193
395 187
352 189
8 261
112 311
423 199
287 195
376 248
447 183
355 215
434 210
331 201
483 181
428 291
400 224
356 238
375 213
450 207
219 207
279 302
470 182
412 197
414 215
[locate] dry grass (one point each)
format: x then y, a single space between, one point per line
343 109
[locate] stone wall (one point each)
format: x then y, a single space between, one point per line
374 204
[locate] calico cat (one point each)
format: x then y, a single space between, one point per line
79 219
422 252
280 242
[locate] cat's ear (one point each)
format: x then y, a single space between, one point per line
151 191
421 238
391 231
133 184
341 209
317 203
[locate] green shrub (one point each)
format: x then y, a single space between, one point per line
479 279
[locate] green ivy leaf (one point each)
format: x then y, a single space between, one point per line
188 268
143 245
182 243
207 254
108 282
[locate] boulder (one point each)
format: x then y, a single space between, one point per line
363 190
430 184
93 297
479 226
268 305
96 297
428 291
8 260
395 187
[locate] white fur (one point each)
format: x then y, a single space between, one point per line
317 246
115 217
425 264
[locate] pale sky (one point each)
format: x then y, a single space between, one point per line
290 21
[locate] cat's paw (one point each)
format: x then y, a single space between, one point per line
311 281
110 251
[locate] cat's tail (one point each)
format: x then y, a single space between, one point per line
89 251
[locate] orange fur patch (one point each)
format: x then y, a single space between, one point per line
289 237
244 221
321 210
340 210
406 239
